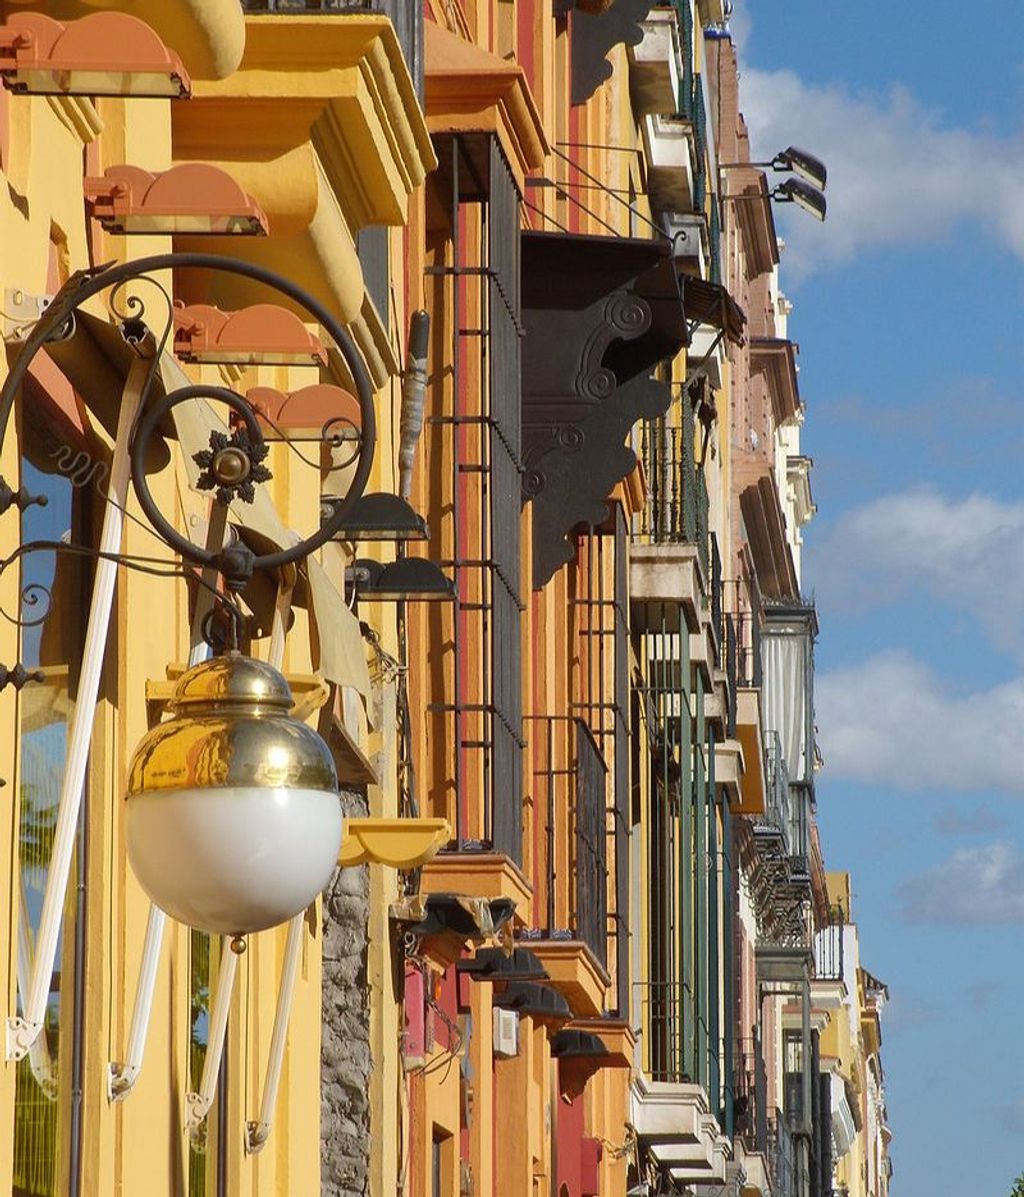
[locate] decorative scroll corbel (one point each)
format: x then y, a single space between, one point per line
596 30
591 341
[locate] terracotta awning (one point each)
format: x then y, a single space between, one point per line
696 300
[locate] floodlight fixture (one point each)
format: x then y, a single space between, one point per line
796 191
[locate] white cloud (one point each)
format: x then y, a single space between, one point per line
892 720
967 554
974 886
898 173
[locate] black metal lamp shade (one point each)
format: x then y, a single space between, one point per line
541 1001
409 578
377 516
491 964
572 1044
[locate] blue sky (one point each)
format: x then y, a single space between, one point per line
909 315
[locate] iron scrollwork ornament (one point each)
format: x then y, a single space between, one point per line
232 467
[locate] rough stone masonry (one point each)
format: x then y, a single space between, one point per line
345 1047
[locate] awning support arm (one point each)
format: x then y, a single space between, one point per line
23 1030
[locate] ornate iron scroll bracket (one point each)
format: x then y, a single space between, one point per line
582 393
231 470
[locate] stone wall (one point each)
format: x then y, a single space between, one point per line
345 1049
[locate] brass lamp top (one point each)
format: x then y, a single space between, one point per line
231 727
232 680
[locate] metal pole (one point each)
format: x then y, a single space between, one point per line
24 1030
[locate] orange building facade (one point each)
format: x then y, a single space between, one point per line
580 941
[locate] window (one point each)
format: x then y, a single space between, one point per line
473 452
46 1121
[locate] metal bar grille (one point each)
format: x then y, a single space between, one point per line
591 844
480 439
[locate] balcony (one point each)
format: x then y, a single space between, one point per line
655 65
669 555
690 244
752 1123
709 347
570 797
782 1156
674 1123
674 167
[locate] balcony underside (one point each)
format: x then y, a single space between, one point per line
654 66
667 574
682 1135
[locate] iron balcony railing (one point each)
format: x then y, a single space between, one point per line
777 817
570 792
752 1096
674 1034
781 1155
677 507
828 947
744 609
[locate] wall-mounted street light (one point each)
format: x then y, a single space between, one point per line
232 817
378 516
796 191
799 162
807 190
408 578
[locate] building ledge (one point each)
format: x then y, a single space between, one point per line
575 972
757 1178
654 65
669 573
340 86
729 770
400 843
710 1164
669 1112
480 875
669 142
469 90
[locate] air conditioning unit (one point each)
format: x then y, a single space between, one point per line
506 1033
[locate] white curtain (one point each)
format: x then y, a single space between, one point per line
786 697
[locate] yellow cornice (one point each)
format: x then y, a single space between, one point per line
342 86
469 90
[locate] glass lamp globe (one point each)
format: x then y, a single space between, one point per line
232 817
